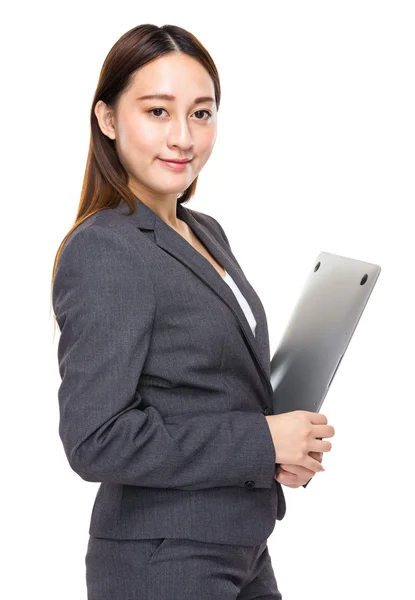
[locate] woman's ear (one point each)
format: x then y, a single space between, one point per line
105 118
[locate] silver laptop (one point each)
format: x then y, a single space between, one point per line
319 331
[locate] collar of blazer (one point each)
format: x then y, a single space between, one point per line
172 242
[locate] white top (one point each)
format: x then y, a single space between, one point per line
241 299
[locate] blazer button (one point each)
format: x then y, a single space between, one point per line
249 484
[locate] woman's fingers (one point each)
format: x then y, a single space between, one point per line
319 446
323 431
290 479
317 455
298 470
286 478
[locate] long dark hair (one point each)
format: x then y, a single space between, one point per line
105 179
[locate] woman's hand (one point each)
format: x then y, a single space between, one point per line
294 476
297 435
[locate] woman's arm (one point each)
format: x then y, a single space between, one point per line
105 307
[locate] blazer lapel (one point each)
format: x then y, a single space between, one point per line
172 242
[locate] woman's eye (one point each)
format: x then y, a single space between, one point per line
153 109
209 114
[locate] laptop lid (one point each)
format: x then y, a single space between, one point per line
319 331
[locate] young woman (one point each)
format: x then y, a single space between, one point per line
163 352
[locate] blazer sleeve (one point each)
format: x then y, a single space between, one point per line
105 304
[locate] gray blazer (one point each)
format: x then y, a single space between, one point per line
164 386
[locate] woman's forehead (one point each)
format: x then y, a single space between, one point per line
174 75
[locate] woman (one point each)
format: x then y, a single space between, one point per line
164 355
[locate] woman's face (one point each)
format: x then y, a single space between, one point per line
148 130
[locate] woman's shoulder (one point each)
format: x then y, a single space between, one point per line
105 227
98 256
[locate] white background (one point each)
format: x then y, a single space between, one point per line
315 151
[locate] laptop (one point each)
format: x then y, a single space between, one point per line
319 331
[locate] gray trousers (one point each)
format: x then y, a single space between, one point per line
178 569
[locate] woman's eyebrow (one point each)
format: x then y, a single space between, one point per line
170 97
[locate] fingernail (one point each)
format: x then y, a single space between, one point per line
322 468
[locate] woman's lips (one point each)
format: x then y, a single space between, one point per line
175 166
